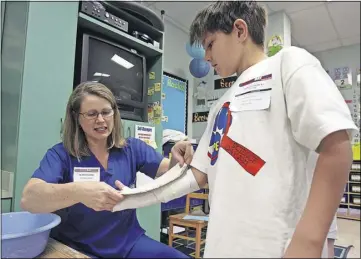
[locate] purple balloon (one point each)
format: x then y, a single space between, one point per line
199 67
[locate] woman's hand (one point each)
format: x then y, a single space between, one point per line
98 196
182 152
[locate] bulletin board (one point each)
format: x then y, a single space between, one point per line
174 102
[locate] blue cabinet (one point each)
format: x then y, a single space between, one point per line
149 217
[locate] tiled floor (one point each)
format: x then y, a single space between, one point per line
349 234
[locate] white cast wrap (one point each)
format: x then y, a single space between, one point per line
179 182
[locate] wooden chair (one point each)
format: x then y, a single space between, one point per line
198 225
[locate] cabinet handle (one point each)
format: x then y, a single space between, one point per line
129 131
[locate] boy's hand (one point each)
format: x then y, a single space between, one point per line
182 152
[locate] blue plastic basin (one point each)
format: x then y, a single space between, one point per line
25 235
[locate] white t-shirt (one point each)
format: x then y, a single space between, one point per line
255 148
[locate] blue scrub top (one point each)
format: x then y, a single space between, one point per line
102 233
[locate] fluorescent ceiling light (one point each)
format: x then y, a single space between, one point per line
101 74
122 62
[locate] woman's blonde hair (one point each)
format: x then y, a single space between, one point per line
74 139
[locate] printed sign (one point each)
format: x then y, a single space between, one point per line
224 82
200 116
176 84
343 77
146 134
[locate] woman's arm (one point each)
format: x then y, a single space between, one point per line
42 197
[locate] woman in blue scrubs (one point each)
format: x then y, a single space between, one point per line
76 179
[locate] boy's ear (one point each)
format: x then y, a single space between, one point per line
241 29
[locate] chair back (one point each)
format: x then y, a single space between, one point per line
194 195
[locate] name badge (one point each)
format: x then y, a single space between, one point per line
253 96
86 174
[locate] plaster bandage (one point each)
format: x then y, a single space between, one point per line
173 184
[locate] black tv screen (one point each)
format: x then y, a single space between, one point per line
121 70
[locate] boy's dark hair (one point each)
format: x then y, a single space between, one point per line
221 15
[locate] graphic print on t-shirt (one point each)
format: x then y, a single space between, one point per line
220 139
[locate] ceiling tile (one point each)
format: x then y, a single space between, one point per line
290 7
312 26
351 40
182 12
346 17
323 46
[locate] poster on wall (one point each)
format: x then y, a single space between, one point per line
174 116
146 134
275 44
343 77
201 94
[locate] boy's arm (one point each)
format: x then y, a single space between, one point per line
190 181
330 177
320 121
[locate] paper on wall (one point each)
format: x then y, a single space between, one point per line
146 134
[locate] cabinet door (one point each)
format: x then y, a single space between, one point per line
47 83
149 217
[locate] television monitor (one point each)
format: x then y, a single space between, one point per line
117 67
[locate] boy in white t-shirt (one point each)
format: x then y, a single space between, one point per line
254 151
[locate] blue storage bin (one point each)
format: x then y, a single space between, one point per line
25 235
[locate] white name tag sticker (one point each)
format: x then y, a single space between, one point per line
252 97
86 174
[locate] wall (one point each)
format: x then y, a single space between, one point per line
48 71
175 58
339 57
348 56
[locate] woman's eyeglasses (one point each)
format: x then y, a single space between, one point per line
92 115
